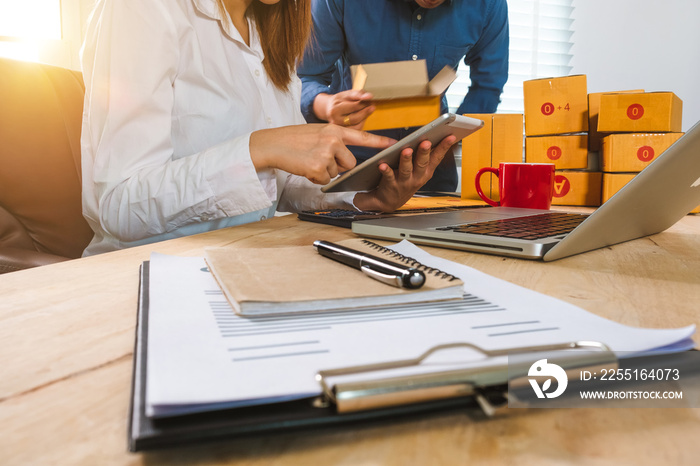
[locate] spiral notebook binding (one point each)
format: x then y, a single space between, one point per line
410 261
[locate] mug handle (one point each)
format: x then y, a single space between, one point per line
481 194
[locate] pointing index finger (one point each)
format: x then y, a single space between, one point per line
363 138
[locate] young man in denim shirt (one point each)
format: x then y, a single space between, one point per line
442 32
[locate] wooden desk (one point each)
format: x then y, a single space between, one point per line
67 335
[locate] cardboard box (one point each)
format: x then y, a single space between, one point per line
556 105
594 136
632 152
500 140
565 152
577 188
403 96
613 182
646 112
476 153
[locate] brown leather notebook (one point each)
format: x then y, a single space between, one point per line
258 281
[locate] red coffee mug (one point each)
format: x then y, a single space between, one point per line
528 185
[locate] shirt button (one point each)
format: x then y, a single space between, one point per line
262 217
419 17
269 120
414 57
257 72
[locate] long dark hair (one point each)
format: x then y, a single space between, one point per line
284 29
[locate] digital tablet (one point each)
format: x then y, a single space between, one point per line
366 176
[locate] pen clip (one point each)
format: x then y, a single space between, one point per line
382 277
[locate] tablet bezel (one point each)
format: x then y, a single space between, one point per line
366 176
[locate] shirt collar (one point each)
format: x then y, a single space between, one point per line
211 9
208 8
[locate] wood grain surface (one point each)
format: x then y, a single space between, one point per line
67 336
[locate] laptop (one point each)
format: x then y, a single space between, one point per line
655 199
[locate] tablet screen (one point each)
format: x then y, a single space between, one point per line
366 176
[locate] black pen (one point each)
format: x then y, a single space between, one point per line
385 271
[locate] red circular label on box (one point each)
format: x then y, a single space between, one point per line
635 111
645 153
553 153
547 108
562 186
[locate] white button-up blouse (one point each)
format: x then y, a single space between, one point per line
172 96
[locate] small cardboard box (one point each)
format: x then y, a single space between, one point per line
500 140
577 188
403 96
632 152
595 137
613 182
645 112
476 154
556 105
565 152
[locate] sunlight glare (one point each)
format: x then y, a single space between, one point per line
30 19
25 51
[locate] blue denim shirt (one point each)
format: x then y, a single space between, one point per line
350 32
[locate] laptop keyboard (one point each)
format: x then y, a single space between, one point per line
528 228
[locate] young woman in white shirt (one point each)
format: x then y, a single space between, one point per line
192 122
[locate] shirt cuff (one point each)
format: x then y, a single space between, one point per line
480 100
238 188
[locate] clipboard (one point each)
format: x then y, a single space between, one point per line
354 404
147 434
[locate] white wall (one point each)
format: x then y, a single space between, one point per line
640 44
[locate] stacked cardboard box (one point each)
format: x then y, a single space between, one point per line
595 137
636 128
556 131
500 140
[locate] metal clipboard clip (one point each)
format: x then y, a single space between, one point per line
480 382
